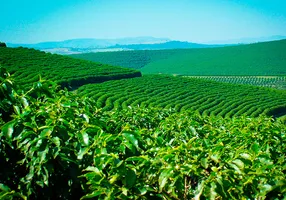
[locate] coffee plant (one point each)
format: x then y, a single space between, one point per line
57 145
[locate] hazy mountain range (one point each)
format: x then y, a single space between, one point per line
86 45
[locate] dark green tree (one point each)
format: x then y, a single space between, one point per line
2 44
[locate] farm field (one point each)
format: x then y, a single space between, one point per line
278 82
263 59
143 100
144 137
57 144
27 64
202 96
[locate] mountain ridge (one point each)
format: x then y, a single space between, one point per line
89 45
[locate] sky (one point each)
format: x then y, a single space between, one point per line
33 21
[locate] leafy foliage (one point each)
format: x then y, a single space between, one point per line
28 64
58 145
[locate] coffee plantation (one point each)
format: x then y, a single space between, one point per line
57 145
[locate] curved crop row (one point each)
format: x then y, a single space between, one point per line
278 82
202 96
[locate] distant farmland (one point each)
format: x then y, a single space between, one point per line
278 82
264 59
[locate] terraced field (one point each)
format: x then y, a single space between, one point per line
202 96
27 64
278 82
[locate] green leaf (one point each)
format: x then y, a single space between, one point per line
199 190
114 178
255 148
24 102
245 156
238 163
17 110
266 188
204 163
236 168
8 129
215 158
47 132
4 188
125 191
137 158
163 178
86 118
56 141
66 105
92 169
130 178
92 195
85 138
131 138
212 193
142 191
82 152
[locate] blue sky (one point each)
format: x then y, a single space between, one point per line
32 21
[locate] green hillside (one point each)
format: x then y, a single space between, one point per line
27 64
267 58
202 96
130 59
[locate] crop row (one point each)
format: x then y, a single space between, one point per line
278 82
27 64
202 96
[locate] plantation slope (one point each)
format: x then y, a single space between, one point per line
130 59
204 97
278 82
27 64
268 58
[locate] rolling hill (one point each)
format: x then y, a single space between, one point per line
266 58
165 45
27 64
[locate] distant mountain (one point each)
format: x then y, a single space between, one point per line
86 43
248 40
165 45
